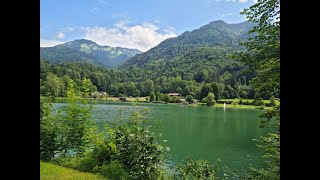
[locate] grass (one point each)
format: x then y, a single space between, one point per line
143 99
50 171
239 106
130 99
250 100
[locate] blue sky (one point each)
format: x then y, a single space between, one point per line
139 24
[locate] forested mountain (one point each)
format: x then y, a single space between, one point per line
186 64
215 34
87 51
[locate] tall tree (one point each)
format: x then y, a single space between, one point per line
263 50
205 90
85 87
263 58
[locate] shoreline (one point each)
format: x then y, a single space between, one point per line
108 101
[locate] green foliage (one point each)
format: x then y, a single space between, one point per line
53 86
74 121
263 55
48 132
258 102
209 99
240 101
174 99
104 153
205 90
87 51
87 87
272 101
138 151
271 119
216 90
51 171
152 96
136 93
235 103
271 145
179 64
114 170
159 96
166 98
198 169
189 99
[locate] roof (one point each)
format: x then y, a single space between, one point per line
174 94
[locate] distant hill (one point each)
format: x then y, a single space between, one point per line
215 34
87 51
183 64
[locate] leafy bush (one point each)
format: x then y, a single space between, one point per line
166 98
272 101
234 103
189 99
152 96
74 121
114 170
209 99
198 169
48 133
174 99
138 151
258 102
240 102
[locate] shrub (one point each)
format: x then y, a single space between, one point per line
152 96
209 99
138 151
174 99
258 102
48 132
74 121
114 170
272 101
166 98
198 169
104 153
234 103
189 99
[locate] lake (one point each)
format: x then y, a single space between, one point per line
206 133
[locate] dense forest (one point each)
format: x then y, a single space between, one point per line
187 64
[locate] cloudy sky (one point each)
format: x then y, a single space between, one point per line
139 24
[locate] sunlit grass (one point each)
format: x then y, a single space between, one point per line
50 171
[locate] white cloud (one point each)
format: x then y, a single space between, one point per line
60 35
142 37
255 1
243 1
49 43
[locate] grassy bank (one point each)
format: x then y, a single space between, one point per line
143 100
249 100
50 171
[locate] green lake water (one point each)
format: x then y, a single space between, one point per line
200 132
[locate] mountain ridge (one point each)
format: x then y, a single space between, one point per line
215 33
83 50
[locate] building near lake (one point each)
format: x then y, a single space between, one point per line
174 94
